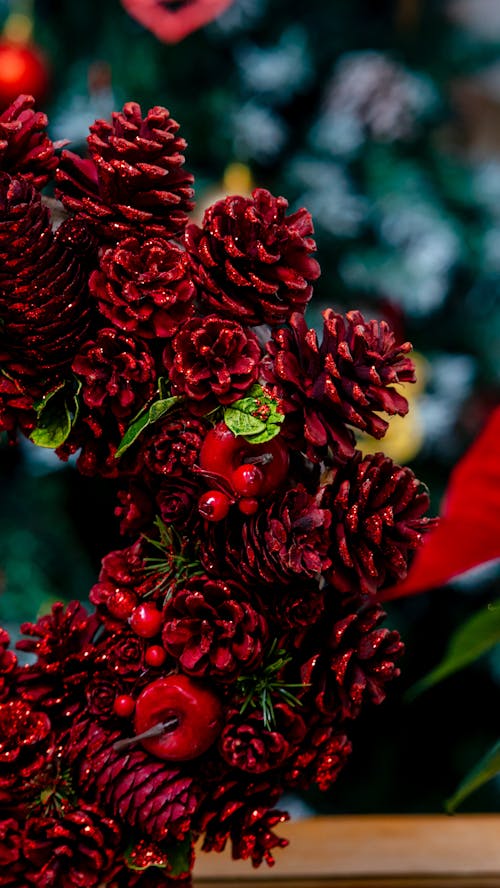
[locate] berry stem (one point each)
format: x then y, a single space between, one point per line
260 459
155 731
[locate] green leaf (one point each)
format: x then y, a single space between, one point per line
180 858
485 770
57 413
147 417
255 417
476 637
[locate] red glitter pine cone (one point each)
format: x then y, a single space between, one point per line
133 178
212 629
212 361
346 381
251 261
144 287
25 148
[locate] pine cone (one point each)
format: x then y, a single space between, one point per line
25 148
133 177
25 743
286 541
117 373
143 793
10 848
174 445
212 630
121 583
144 288
348 379
212 362
245 743
243 812
378 520
347 662
43 291
322 757
62 642
252 262
76 849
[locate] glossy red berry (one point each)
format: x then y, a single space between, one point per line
248 506
193 710
155 655
247 480
124 706
214 505
146 620
121 603
223 453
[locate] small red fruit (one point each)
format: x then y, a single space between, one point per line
247 480
124 705
223 453
248 506
146 620
214 505
194 710
155 655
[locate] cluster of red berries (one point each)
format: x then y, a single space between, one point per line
238 634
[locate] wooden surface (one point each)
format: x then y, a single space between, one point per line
371 852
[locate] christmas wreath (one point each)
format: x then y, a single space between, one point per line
238 634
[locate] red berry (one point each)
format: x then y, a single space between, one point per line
223 453
121 603
146 620
214 505
197 712
155 655
124 706
247 480
248 506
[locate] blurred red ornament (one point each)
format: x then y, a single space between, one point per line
172 20
468 533
23 69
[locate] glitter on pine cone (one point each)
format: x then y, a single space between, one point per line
144 287
133 179
212 361
347 660
251 261
43 291
76 849
116 372
246 743
212 628
378 520
287 539
25 148
347 380
146 794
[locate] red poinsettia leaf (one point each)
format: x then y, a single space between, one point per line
469 531
172 20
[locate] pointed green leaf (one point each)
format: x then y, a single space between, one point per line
476 637
57 412
147 417
242 423
485 770
255 417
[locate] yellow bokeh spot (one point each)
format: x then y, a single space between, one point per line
18 28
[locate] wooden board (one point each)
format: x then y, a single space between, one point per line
371 852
